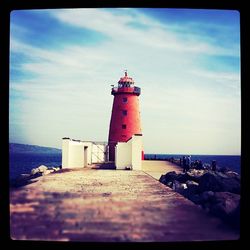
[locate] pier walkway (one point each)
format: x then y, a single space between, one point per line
110 206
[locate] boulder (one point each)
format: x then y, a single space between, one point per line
48 171
226 206
182 177
233 174
206 200
207 166
42 168
218 182
207 196
169 184
56 168
34 171
179 187
195 174
169 177
234 218
193 187
224 169
196 198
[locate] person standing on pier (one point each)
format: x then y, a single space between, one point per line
200 165
188 162
184 162
214 167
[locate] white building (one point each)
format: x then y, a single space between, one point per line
128 154
78 154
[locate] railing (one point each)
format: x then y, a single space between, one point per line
135 90
104 152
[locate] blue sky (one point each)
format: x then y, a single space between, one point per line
187 63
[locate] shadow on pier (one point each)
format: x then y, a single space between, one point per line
104 165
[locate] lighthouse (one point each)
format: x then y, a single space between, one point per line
125 117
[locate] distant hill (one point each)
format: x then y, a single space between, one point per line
28 149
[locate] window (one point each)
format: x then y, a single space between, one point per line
125 99
124 112
124 126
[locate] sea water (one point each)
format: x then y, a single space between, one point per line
21 163
232 162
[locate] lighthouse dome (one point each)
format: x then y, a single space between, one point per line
126 80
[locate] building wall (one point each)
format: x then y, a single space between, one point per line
123 155
136 152
65 153
129 153
131 121
72 154
76 154
89 150
98 153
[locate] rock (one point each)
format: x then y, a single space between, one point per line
48 171
56 168
195 174
226 206
234 218
179 187
196 198
176 185
224 169
34 171
182 177
169 177
233 174
226 201
42 168
191 183
207 196
169 184
193 187
217 182
221 174
207 166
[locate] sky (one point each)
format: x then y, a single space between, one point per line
186 62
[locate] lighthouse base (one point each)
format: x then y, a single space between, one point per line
128 155
111 149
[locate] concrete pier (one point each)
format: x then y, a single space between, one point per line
110 205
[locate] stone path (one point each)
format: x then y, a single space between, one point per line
108 205
158 168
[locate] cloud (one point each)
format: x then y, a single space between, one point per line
156 35
68 92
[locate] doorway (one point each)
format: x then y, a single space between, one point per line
85 156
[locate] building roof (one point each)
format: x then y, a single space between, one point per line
126 78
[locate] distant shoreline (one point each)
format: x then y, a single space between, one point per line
23 158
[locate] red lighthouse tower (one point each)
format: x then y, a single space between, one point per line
125 118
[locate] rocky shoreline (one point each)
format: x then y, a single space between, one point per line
25 179
218 192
